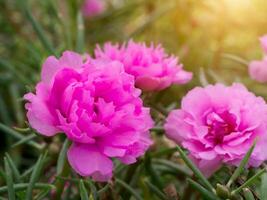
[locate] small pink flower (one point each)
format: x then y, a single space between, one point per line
92 8
152 68
96 105
218 124
263 41
258 70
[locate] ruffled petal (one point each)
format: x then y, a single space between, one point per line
87 160
176 128
183 77
147 83
49 69
38 113
71 59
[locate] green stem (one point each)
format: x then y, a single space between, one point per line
60 183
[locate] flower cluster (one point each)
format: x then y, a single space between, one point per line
152 68
218 124
258 68
95 103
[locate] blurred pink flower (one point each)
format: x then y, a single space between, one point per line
93 7
218 124
263 41
96 105
152 68
258 70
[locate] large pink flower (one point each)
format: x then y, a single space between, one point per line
97 106
218 124
93 7
152 68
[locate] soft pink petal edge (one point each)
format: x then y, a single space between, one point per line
87 160
52 65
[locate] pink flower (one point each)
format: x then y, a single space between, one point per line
92 8
218 124
258 70
263 41
152 68
96 105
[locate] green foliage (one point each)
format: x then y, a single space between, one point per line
83 191
32 30
242 165
196 171
263 188
203 191
35 175
9 180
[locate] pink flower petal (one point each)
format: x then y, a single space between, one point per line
49 69
39 115
88 161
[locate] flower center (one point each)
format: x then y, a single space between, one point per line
220 124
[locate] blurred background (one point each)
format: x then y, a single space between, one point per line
213 38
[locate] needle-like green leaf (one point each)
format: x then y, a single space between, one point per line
43 194
103 189
23 186
26 139
9 181
249 181
155 190
129 188
163 152
263 188
8 66
202 77
62 156
19 136
15 170
37 28
241 166
26 173
80 33
196 171
35 176
17 107
175 166
92 189
83 191
154 175
203 191
235 58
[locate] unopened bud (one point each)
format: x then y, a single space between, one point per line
222 191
